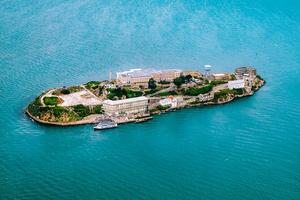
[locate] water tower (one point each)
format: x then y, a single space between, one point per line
207 69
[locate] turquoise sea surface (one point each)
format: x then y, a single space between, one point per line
247 149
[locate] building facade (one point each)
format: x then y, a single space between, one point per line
166 75
195 74
126 106
221 76
236 84
142 76
171 101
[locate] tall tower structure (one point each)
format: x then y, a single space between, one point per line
207 69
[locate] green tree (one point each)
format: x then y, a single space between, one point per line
81 110
179 81
188 78
151 84
52 101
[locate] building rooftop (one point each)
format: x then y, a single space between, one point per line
144 72
169 70
236 81
219 74
137 72
130 100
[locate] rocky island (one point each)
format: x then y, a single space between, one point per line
137 94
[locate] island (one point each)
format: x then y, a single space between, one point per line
138 94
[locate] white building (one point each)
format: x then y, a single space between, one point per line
236 84
142 76
135 76
126 106
171 101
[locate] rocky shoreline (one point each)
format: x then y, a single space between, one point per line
122 103
92 119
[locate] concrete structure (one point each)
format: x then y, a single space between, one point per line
245 71
142 76
134 76
192 73
166 75
221 76
126 106
236 84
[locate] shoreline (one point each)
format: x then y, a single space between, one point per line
137 95
91 119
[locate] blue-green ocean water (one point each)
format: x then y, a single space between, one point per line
248 149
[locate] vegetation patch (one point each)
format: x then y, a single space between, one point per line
52 101
34 107
118 93
161 108
152 91
232 77
92 85
181 80
151 84
67 90
222 94
217 82
164 82
97 109
195 91
238 91
81 110
170 93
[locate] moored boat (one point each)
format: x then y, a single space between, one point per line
106 124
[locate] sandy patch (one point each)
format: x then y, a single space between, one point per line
83 97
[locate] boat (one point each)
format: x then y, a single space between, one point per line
106 124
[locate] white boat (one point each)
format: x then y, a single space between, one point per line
106 124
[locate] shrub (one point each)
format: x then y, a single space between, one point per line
51 101
133 93
238 91
65 91
222 93
259 77
179 81
217 82
151 84
194 91
119 92
73 89
150 91
160 107
188 78
92 85
34 108
58 111
98 109
81 110
164 82
232 77
167 93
